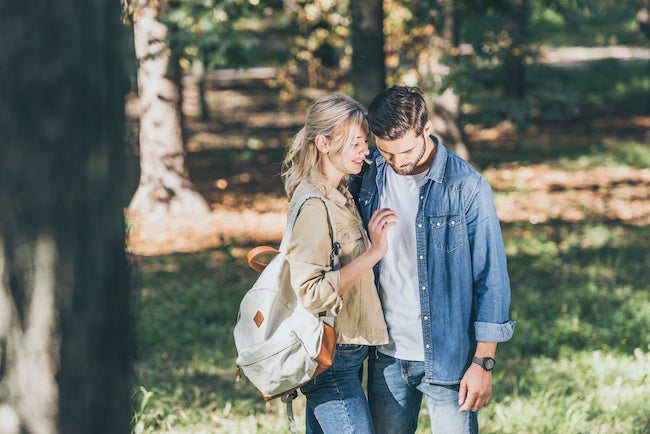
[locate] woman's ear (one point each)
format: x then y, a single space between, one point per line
322 144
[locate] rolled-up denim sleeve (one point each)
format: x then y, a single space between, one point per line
489 266
491 332
308 256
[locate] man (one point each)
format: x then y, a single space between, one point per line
443 284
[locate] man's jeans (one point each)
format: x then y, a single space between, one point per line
395 390
336 402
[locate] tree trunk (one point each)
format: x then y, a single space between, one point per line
64 284
445 108
164 185
643 17
368 68
514 84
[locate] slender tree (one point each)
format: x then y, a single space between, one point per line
164 180
368 67
64 286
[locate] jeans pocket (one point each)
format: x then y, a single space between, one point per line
348 348
349 356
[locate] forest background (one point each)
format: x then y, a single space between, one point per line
549 99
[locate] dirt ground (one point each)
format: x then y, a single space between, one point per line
234 157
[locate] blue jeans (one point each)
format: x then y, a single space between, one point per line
395 390
336 402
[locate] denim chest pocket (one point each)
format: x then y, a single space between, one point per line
447 231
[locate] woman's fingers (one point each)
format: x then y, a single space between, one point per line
382 219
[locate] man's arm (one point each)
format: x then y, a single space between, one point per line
492 288
476 385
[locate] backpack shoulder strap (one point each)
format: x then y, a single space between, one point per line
291 220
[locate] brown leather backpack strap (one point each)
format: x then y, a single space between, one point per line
251 257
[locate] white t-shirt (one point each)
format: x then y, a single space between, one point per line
398 276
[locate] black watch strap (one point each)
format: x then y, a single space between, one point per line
486 363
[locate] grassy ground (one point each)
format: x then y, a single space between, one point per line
574 200
579 360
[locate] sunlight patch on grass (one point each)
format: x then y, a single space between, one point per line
581 392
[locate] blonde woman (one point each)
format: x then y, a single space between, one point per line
332 145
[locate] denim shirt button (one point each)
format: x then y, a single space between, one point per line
420 225
421 257
424 288
428 346
421 197
438 224
426 318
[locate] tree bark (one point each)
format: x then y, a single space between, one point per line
64 283
643 17
368 68
164 185
445 108
514 84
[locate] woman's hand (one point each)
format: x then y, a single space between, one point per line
381 220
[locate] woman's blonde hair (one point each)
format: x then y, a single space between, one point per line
336 117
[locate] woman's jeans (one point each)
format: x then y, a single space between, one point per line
336 402
395 390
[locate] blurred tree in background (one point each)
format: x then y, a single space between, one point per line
65 318
477 60
164 181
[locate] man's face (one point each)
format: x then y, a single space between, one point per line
407 155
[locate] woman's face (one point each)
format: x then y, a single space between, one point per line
354 154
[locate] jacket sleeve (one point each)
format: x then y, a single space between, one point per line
490 273
308 256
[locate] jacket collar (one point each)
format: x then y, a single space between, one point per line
339 196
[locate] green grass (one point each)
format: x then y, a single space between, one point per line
579 361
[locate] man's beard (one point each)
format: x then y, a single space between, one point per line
408 170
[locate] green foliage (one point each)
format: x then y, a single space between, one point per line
217 32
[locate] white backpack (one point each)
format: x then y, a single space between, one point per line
281 345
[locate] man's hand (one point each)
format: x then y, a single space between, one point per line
475 388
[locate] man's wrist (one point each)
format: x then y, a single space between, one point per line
487 363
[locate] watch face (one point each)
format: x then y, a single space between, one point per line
488 364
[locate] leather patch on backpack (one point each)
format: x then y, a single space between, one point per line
258 318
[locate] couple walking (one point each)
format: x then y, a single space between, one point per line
423 289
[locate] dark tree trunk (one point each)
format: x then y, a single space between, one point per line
643 17
515 72
368 69
445 108
65 324
164 185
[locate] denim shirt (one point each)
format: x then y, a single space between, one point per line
462 270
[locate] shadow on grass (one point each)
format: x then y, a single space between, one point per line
575 287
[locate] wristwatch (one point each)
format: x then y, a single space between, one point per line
486 363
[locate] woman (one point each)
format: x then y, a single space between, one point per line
332 145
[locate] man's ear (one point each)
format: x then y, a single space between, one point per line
427 128
322 143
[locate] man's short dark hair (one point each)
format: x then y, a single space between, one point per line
396 111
